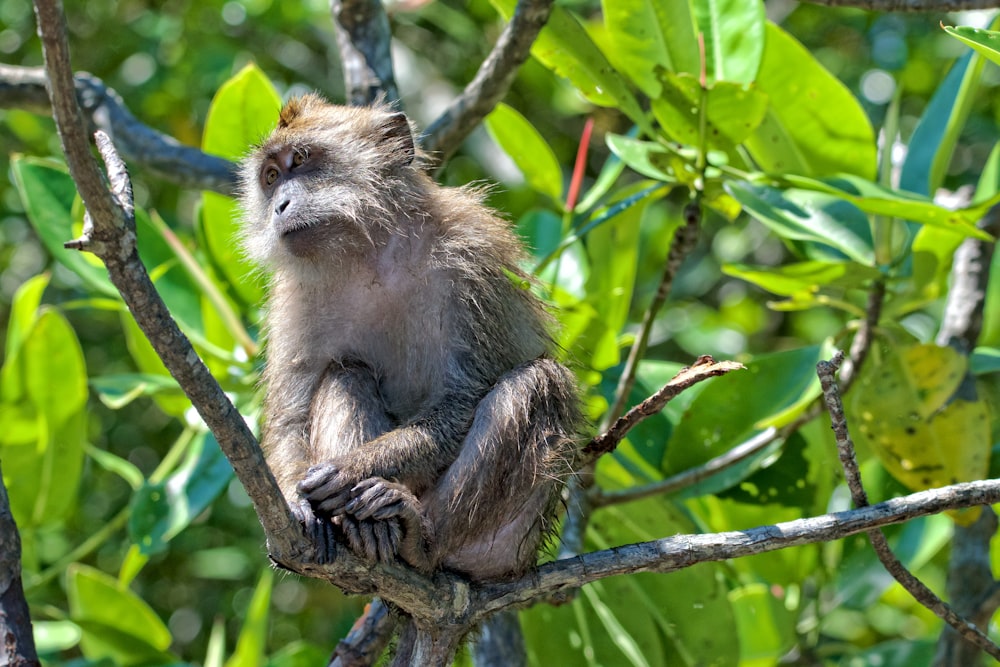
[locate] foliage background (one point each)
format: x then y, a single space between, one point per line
168 59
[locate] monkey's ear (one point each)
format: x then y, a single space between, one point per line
396 130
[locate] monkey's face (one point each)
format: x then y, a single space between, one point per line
326 182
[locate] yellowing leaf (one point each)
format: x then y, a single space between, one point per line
916 407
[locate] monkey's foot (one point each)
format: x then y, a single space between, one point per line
378 499
319 528
371 539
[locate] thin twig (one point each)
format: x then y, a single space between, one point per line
691 476
491 82
684 242
702 369
865 336
916 588
103 109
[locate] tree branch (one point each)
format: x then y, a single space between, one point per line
845 449
363 38
491 83
680 551
17 646
103 109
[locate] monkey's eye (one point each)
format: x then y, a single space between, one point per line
298 158
270 175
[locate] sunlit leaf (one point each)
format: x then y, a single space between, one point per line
814 125
917 408
766 630
734 33
986 42
794 278
528 149
253 636
734 111
116 623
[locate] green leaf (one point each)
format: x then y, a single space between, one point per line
806 216
48 193
162 510
813 125
253 637
116 464
879 200
808 277
986 42
54 368
648 35
934 139
985 360
648 158
564 47
242 113
734 33
149 363
116 623
766 630
23 316
917 408
531 153
734 111
55 636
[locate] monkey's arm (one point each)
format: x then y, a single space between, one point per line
415 455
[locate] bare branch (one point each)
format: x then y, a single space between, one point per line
910 5
368 637
863 339
18 644
684 241
491 83
103 109
680 551
702 369
363 38
112 238
916 588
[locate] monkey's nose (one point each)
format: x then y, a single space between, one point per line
280 208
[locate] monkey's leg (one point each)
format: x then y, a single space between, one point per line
346 411
493 506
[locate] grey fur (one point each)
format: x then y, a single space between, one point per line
412 408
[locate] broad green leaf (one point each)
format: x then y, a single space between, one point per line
48 193
54 368
565 47
879 200
55 636
23 315
649 35
149 363
116 623
733 110
807 277
934 139
253 636
807 216
528 149
917 408
766 630
813 125
243 111
734 33
737 406
986 42
162 510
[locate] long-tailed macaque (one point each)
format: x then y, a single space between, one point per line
412 407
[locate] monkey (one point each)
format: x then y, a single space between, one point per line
413 407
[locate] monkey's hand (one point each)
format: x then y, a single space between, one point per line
377 499
319 528
328 488
371 539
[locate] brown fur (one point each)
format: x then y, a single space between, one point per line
412 408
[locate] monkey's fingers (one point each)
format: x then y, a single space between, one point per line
333 505
376 498
387 535
319 529
317 476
